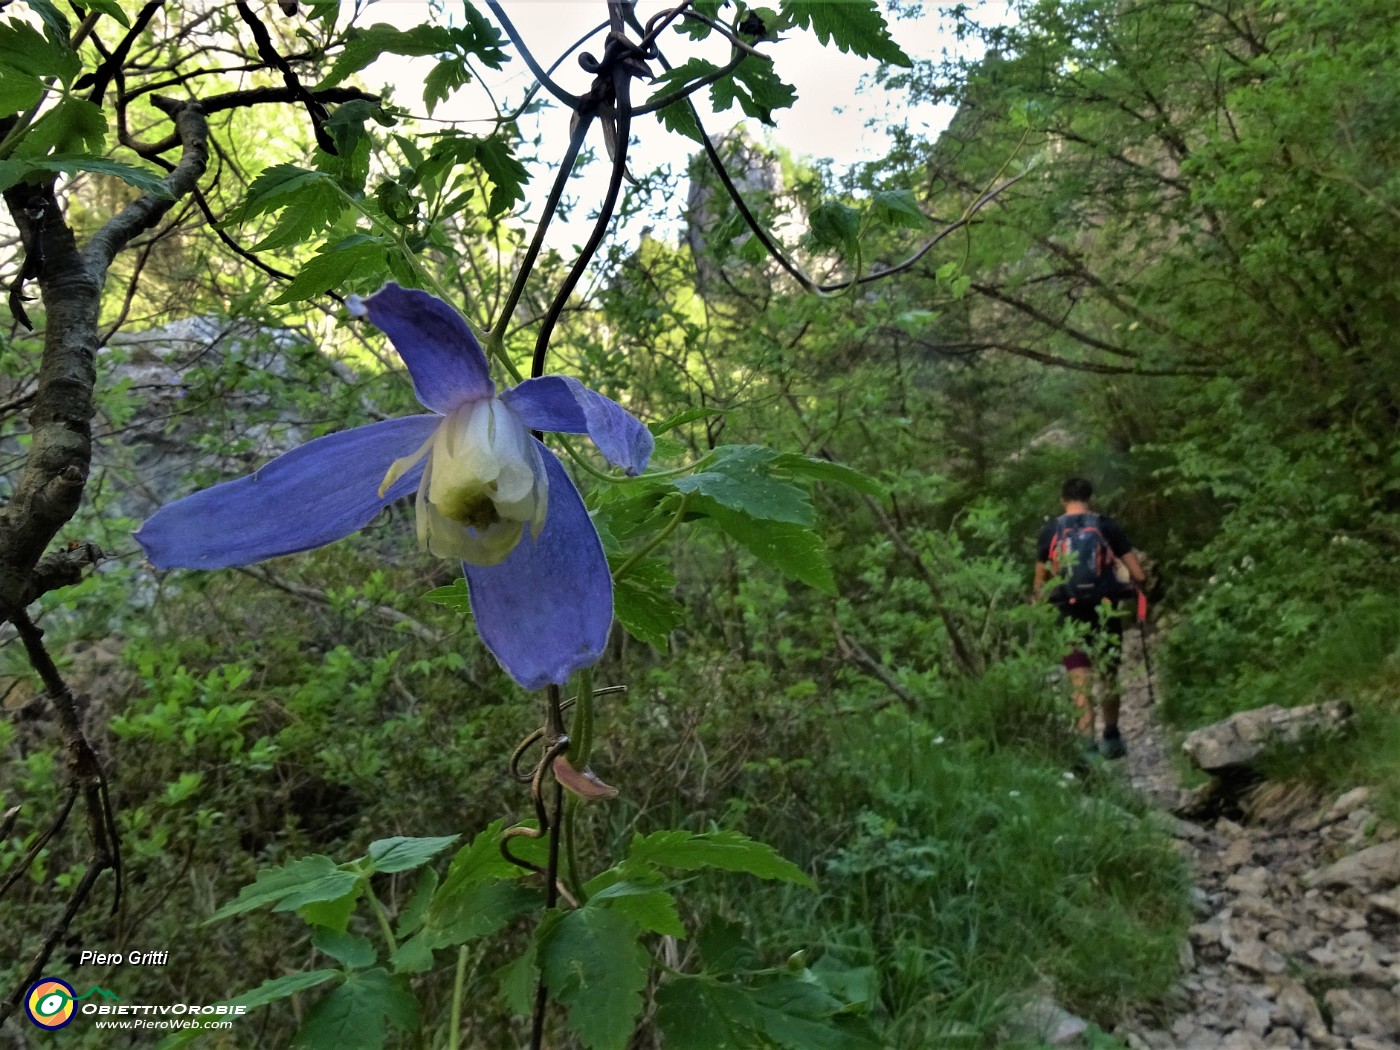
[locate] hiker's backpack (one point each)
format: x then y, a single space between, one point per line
1080 554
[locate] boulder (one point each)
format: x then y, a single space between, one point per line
1376 868
1238 742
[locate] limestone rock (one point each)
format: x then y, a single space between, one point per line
1363 1012
1045 1021
1239 741
1372 869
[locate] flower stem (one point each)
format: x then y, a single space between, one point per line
656 541
383 917
580 750
459 984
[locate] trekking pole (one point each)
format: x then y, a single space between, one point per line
1146 654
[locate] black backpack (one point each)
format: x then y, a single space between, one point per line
1081 555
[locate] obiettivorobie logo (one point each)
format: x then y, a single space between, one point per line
52 1004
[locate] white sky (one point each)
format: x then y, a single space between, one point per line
829 119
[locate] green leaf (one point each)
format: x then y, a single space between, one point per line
834 225
75 125
314 878
310 202
698 1013
18 91
348 949
454 596
825 470
854 26
680 118
644 605
412 916
757 89
594 966
794 550
506 174
353 1016
364 45
690 415
107 7
356 259
726 850
42 55
15 171
743 478
519 978
477 897
443 79
332 914
283 987
651 908
900 208
402 854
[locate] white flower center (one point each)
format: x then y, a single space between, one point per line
483 481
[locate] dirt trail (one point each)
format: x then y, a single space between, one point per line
1297 935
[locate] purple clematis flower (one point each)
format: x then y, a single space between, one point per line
489 493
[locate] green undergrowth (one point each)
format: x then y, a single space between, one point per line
958 864
1350 653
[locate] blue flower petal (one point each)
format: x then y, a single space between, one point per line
563 404
439 349
545 611
316 493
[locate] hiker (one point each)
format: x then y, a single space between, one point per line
1080 550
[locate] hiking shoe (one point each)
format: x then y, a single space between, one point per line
1113 746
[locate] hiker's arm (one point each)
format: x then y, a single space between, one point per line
1041 573
1134 567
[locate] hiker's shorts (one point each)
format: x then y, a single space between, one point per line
1111 634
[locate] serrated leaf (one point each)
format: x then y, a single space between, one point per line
454 596
75 125
506 174
18 91
411 917
794 550
698 1013
518 980
42 55
14 171
364 45
690 415
478 896
332 914
742 478
650 907
756 87
836 473
899 208
643 603
594 965
107 7
348 949
680 118
855 26
725 850
299 882
309 203
443 79
834 225
283 987
353 1016
402 854
356 259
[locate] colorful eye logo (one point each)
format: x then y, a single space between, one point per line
49 1003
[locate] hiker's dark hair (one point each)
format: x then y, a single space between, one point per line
1076 490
